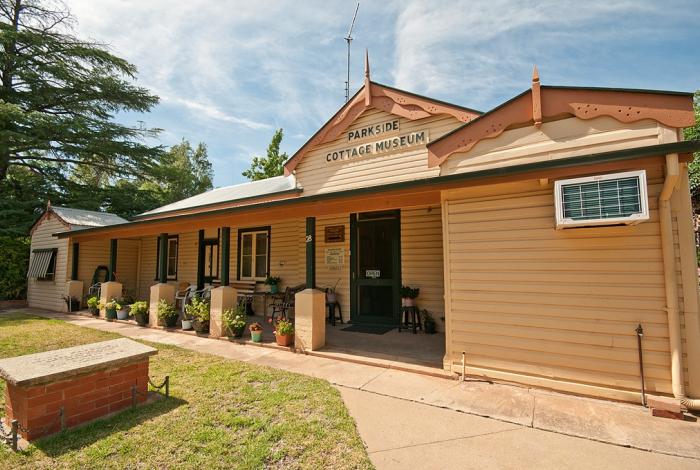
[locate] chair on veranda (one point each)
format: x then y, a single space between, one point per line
283 305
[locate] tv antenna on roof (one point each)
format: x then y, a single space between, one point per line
348 38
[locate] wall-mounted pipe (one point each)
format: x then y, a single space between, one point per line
671 283
640 333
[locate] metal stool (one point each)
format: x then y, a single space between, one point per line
411 318
332 306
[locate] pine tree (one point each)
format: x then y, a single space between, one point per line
59 95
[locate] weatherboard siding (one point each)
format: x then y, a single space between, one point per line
330 276
525 298
317 176
49 294
555 140
421 258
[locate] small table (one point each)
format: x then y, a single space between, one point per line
265 295
410 316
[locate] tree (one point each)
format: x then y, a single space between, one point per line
693 133
270 165
59 95
183 172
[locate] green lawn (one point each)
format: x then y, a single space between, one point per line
222 414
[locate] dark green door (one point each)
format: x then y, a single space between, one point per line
375 267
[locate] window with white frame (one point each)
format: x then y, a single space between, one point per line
616 198
254 253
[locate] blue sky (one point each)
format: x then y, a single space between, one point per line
230 72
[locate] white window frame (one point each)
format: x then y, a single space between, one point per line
253 234
633 219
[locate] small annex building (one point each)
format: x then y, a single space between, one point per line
541 233
51 258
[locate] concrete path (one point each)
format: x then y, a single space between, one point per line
429 422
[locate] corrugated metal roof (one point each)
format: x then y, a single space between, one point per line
252 189
79 218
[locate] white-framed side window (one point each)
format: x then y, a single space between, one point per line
254 253
609 199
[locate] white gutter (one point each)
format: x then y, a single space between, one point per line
671 283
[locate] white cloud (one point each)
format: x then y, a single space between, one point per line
481 48
228 72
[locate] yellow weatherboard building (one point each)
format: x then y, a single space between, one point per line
541 234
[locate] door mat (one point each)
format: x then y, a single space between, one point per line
371 329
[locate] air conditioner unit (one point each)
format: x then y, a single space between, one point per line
611 199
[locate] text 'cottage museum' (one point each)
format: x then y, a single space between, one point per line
540 234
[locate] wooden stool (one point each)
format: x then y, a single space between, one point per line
411 317
332 306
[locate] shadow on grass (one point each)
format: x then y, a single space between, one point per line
82 436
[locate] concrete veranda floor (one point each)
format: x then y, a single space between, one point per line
415 421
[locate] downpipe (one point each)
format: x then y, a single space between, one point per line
671 283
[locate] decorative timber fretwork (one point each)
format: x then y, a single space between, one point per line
550 103
382 97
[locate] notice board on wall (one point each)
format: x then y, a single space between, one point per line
335 234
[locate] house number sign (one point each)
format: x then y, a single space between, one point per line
372 273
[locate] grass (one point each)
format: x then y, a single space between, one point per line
222 414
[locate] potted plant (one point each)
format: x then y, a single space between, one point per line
256 331
274 283
284 332
167 313
111 308
186 322
123 312
408 296
429 325
186 319
331 296
93 304
140 312
198 310
73 303
235 320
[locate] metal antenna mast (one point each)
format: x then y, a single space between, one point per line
349 40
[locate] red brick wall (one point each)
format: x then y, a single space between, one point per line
83 399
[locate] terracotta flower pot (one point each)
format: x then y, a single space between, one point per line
285 340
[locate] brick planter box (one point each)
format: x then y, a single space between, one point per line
56 390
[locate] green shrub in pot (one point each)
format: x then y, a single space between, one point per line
93 304
140 312
111 308
274 283
235 320
198 310
167 313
